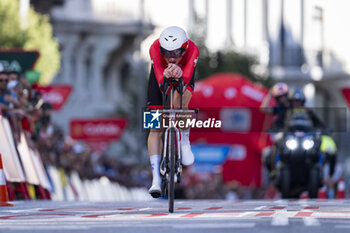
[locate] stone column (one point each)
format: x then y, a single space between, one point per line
69 42
104 46
81 70
114 91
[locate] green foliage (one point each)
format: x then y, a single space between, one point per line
38 36
11 34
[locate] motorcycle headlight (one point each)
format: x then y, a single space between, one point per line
292 143
308 143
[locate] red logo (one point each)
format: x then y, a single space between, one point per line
97 129
57 95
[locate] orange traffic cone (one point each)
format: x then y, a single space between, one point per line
3 189
341 189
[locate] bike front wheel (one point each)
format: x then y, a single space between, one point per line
171 184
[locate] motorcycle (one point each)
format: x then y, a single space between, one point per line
298 159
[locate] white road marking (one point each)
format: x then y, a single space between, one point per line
279 221
215 225
148 208
303 202
309 221
244 214
24 210
260 207
281 201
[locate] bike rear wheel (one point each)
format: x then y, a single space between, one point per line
171 184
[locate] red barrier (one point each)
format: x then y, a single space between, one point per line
3 188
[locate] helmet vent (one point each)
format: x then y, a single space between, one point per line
166 39
174 39
171 36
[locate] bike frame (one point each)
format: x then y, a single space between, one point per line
169 152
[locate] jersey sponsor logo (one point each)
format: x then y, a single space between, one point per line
151 119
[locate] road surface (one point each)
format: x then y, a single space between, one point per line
190 216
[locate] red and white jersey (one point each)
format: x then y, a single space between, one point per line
187 63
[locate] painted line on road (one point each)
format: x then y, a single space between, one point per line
35 228
277 207
143 209
214 208
260 207
244 214
311 222
279 221
265 214
192 215
215 226
303 214
183 208
312 208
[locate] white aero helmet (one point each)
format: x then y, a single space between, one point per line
173 42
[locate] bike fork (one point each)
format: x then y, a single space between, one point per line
165 160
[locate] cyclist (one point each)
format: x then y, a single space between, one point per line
279 92
173 55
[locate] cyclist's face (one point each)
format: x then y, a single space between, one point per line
173 60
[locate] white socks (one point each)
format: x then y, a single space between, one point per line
185 136
155 162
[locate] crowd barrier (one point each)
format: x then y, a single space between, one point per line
27 178
72 188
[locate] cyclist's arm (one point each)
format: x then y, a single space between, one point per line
188 69
157 62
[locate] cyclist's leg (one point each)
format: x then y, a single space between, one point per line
186 152
154 150
186 97
154 142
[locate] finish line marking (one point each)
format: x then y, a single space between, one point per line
311 222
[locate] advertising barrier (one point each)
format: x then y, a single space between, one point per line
12 166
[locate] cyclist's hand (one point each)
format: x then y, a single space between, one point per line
175 70
167 72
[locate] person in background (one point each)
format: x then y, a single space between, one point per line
297 102
279 92
6 97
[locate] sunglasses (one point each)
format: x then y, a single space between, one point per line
3 80
172 54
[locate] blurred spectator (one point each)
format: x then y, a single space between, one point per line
5 94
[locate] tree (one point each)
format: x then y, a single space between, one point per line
38 36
